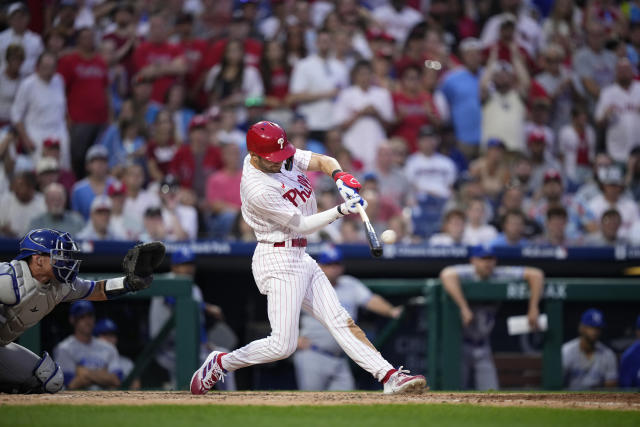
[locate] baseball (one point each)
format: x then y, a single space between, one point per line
388 236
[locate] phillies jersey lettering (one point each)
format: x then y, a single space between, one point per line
270 200
304 194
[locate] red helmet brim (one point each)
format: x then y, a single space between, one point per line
281 155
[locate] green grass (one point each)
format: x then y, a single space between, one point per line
308 416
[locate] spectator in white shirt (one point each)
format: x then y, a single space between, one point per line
180 221
577 147
618 110
10 80
39 110
98 227
611 197
137 198
477 231
430 173
452 230
315 82
17 33
397 19
364 112
20 205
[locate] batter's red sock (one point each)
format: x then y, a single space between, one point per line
219 361
386 377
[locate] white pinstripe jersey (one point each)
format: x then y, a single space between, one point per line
270 200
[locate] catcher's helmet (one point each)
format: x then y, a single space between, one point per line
269 141
59 246
330 255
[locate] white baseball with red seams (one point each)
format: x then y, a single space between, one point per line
289 277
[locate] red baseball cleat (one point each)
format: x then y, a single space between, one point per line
399 382
208 375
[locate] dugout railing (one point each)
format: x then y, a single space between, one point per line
184 320
444 338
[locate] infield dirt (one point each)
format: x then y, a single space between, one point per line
612 401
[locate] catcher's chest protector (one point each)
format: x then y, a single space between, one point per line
36 301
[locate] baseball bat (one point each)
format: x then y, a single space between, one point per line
372 237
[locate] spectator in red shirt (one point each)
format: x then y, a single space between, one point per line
158 60
413 107
86 84
194 49
124 36
223 193
275 77
197 159
161 147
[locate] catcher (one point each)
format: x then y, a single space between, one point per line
42 275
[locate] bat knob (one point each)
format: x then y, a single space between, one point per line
376 252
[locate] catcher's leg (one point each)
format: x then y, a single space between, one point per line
22 371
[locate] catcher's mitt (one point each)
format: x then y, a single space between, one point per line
140 262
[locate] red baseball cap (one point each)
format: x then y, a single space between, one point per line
116 188
552 175
197 122
536 136
51 143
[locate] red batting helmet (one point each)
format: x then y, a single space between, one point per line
269 141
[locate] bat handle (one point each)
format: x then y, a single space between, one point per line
363 213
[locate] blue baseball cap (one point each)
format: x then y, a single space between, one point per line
330 255
183 255
495 142
105 326
592 317
80 308
482 251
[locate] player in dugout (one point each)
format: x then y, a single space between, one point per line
42 275
478 368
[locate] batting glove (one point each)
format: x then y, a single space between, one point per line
351 205
346 191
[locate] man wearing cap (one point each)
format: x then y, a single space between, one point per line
528 31
98 227
580 219
57 216
320 363
430 174
86 362
630 362
461 88
612 195
586 362
18 33
107 330
478 368
96 182
51 149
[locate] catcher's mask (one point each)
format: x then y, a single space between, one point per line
59 246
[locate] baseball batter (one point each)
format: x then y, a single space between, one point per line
279 204
43 275
478 369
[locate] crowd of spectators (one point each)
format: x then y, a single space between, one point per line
510 122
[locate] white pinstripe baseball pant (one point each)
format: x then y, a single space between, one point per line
292 280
